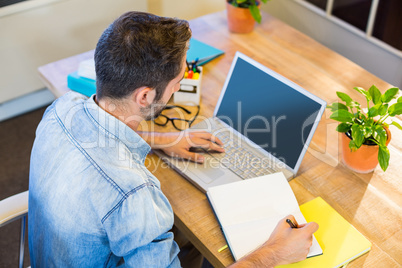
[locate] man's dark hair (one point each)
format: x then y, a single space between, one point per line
139 49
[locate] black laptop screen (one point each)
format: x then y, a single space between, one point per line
269 112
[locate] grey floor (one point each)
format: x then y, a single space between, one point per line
16 139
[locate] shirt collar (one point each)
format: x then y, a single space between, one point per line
116 129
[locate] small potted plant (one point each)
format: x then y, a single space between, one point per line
366 135
242 14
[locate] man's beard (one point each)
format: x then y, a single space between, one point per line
153 110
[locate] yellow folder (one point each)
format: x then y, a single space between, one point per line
339 240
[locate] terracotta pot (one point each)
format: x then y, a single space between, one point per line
365 159
240 19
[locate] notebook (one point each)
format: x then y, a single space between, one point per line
339 240
201 51
265 121
248 211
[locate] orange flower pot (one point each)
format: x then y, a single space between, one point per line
240 19
365 159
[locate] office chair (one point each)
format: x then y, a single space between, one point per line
13 208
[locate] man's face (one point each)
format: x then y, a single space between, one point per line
153 110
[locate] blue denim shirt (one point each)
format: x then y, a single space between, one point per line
92 202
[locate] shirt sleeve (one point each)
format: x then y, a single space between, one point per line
138 229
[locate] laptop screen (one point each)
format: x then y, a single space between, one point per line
270 110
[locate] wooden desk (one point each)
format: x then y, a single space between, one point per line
371 202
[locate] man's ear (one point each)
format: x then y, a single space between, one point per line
144 96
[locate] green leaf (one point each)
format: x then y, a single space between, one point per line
354 104
370 122
380 134
362 116
264 1
343 127
352 146
373 111
389 94
383 157
357 135
255 12
400 99
342 116
364 92
343 96
241 1
383 109
367 132
396 124
395 109
375 94
337 106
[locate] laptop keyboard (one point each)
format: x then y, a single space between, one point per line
241 161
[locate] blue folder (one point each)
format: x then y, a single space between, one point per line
202 51
81 84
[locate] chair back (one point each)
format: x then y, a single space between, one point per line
13 208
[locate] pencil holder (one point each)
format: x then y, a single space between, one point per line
190 90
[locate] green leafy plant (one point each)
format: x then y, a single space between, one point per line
367 128
252 5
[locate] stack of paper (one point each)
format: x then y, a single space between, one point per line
87 69
248 211
83 80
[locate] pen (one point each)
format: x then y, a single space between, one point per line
291 223
194 66
222 248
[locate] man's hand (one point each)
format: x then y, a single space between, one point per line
291 244
178 144
285 245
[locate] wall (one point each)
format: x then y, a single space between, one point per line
372 57
64 28
185 9
48 33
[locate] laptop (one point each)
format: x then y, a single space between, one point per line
265 121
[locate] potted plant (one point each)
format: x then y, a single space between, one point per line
366 135
242 14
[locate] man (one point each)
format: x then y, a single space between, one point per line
92 202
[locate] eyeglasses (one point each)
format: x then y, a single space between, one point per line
178 123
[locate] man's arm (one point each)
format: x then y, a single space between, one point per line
285 245
178 144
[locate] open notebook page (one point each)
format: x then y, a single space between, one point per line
249 211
